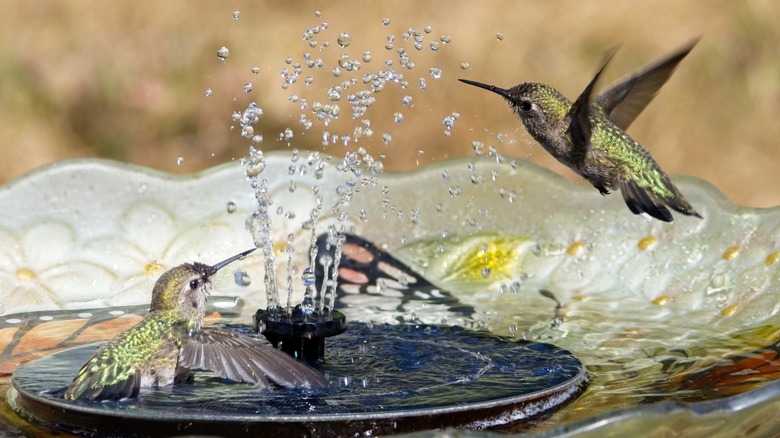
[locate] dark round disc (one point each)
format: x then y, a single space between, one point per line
385 379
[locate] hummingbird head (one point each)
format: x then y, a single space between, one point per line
183 290
540 107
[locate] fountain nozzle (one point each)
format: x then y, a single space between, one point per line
300 335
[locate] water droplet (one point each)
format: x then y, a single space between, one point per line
434 46
465 65
422 84
344 40
248 87
242 278
500 36
223 53
446 39
427 29
385 21
398 117
255 70
407 100
367 56
308 277
208 92
435 72
387 138
231 207
478 147
255 165
179 160
236 14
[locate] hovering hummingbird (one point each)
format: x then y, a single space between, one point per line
161 349
589 137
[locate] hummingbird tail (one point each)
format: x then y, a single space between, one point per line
639 201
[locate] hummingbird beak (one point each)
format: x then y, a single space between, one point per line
223 263
500 91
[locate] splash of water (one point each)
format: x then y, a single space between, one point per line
356 83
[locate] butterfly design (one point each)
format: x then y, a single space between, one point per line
370 276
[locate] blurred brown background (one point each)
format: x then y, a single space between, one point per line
127 80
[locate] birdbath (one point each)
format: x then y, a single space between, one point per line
666 321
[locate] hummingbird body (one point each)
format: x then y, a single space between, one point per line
589 136
161 349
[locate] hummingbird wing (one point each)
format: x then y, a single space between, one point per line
243 359
580 128
623 101
117 370
99 380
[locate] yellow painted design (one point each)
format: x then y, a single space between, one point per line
772 258
25 274
731 252
280 248
153 268
730 310
662 300
576 248
646 243
499 256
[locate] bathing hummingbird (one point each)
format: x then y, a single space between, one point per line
589 136
161 349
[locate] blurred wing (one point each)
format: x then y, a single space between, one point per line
243 359
623 101
580 129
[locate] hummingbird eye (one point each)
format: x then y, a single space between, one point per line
194 284
526 105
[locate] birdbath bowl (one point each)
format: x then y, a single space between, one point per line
505 298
